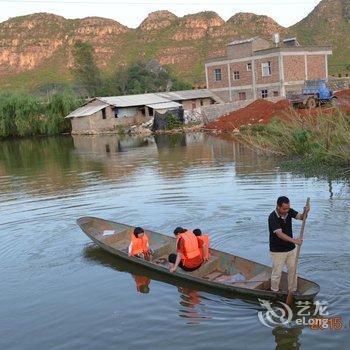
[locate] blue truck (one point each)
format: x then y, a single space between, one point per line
315 93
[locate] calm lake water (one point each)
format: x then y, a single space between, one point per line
59 291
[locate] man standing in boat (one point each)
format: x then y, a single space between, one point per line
282 243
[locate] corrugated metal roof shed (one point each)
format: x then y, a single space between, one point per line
159 100
86 110
157 97
186 94
164 105
133 100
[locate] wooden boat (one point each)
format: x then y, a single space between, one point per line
220 273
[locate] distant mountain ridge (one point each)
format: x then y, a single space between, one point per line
37 49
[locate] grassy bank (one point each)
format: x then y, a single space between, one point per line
22 114
307 141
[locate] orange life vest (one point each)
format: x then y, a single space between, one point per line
139 244
190 248
204 239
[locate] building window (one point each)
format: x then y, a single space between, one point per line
201 102
236 75
275 94
104 116
115 112
266 69
242 96
264 93
217 74
249 67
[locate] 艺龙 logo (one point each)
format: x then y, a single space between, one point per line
274 315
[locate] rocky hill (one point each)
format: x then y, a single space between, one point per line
328 23
36 49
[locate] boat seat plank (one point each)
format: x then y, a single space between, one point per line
255 282
206 267
162 261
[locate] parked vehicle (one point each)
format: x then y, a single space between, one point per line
315 93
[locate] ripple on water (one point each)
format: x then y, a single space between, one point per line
54 293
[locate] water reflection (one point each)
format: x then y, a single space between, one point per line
287 338
102 144
190 302
54 164
142 283
190 299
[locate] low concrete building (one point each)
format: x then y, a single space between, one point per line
106 114
253 69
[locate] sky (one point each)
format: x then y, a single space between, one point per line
131 13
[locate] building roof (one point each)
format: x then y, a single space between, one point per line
133 100
282 49
243 41
157 97
186 94
308 48
86 110
291 40
164 105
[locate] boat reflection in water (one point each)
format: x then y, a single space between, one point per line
191 306
190 302
287 338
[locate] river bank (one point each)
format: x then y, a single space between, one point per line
306 139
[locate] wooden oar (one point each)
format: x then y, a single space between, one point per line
290 297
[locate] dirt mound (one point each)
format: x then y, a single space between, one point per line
262 111
344 100
258 112
343 93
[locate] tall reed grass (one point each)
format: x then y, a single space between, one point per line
22 114
318 139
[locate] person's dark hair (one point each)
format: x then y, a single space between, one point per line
137 231
282 200
179 230
197 232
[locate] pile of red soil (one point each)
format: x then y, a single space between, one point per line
344 100
258 112
343 93
262 111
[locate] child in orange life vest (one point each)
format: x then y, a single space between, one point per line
203 243
188 256
139 246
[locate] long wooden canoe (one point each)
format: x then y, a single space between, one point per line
224 271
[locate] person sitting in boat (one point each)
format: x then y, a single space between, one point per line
203 243
139 246
188 256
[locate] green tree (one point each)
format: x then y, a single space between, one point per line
139 79
85 69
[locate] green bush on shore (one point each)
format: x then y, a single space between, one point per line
321 139
22 114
